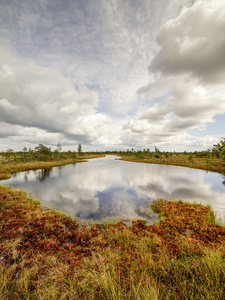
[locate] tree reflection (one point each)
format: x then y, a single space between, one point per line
42 174
14 175
26 176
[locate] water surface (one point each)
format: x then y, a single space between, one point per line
113 189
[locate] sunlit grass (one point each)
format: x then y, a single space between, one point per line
211 163
9 167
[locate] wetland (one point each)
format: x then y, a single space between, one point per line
46 254
110 190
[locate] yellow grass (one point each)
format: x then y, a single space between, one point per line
7 168
180 159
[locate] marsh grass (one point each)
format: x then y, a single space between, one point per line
211 163
46 255
208 161
7 168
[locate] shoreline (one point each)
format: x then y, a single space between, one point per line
45 254
8 168
213 165
219 167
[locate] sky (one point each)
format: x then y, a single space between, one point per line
112 74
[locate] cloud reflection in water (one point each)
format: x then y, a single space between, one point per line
106 187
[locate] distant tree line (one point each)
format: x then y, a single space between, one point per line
41 153
44 153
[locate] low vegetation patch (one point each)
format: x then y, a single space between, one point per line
17 164
212 159
196 160
46 255
41 157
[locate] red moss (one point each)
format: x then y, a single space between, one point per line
48 233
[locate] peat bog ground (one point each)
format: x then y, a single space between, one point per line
47 255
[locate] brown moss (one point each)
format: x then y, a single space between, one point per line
167 252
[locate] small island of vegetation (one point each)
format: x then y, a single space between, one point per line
47 255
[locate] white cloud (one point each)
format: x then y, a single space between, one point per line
193 42
187 106
42 98
74 69
189 68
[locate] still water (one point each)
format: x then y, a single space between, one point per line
107 189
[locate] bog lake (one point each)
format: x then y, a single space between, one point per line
109 190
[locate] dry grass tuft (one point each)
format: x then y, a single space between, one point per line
46 255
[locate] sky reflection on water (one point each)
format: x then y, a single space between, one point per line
106 187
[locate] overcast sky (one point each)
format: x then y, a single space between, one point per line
112 74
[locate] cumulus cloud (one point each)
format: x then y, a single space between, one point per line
74 69
194 43
42 98
189 68
188 106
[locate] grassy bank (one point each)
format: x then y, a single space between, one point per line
9 167
205 161
191 160
46 255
